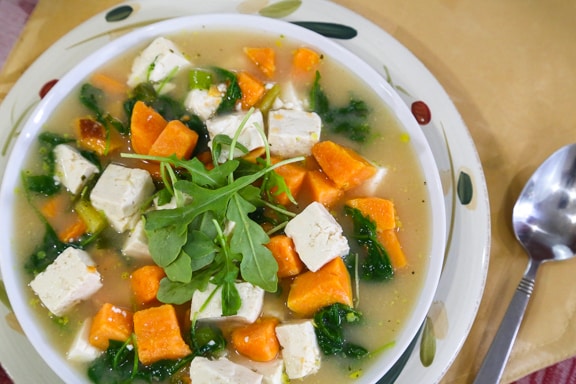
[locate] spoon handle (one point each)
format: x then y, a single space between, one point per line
495 360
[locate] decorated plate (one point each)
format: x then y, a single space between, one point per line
466 261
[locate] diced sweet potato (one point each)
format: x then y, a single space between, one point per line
110 323
346 168
289 263
145 126
293 175
108 84
264 58
145 282
321 189
380 211
74 230
175 139
305 61
390 242
158 335
258 340
311 291
252 89
93 136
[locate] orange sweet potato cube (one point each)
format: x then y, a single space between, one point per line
158 335
321 189
380 211
293 175
110 323
258 340
346 168
289 263
145 282
175 139
312 291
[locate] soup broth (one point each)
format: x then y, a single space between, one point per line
385 306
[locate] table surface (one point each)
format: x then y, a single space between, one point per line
518 94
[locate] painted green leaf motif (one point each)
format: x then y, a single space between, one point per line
465 189
4 296
119 13
281 8
428 344
332 30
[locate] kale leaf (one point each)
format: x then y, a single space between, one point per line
350 120
329 324
376 265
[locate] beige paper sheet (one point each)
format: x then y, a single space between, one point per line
510 68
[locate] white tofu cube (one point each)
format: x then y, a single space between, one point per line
221 371
272 371
228 125
120 193
81 351
317 236
300 349
71 278
162 58
203 102
292 133
252 301
136 244
72 169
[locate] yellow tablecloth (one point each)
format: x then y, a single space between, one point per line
510 68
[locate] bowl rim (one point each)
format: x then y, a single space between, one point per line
14 282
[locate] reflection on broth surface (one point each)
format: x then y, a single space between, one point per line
384 305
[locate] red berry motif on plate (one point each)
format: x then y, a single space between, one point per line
47 87
421 112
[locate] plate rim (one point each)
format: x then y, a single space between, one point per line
349 15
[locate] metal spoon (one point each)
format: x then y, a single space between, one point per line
544 220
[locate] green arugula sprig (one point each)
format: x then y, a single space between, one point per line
189 241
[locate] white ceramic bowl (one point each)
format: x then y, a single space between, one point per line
17 285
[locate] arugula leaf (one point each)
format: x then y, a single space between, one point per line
179 293
165 242
180 270
258 265
213 178
376 265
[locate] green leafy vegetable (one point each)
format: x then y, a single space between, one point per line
46 252
329 324
233 91
212 236
169 109
376 265
207 340
350 120
42 184
119 365
92 98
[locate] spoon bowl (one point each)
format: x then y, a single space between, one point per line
544 222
